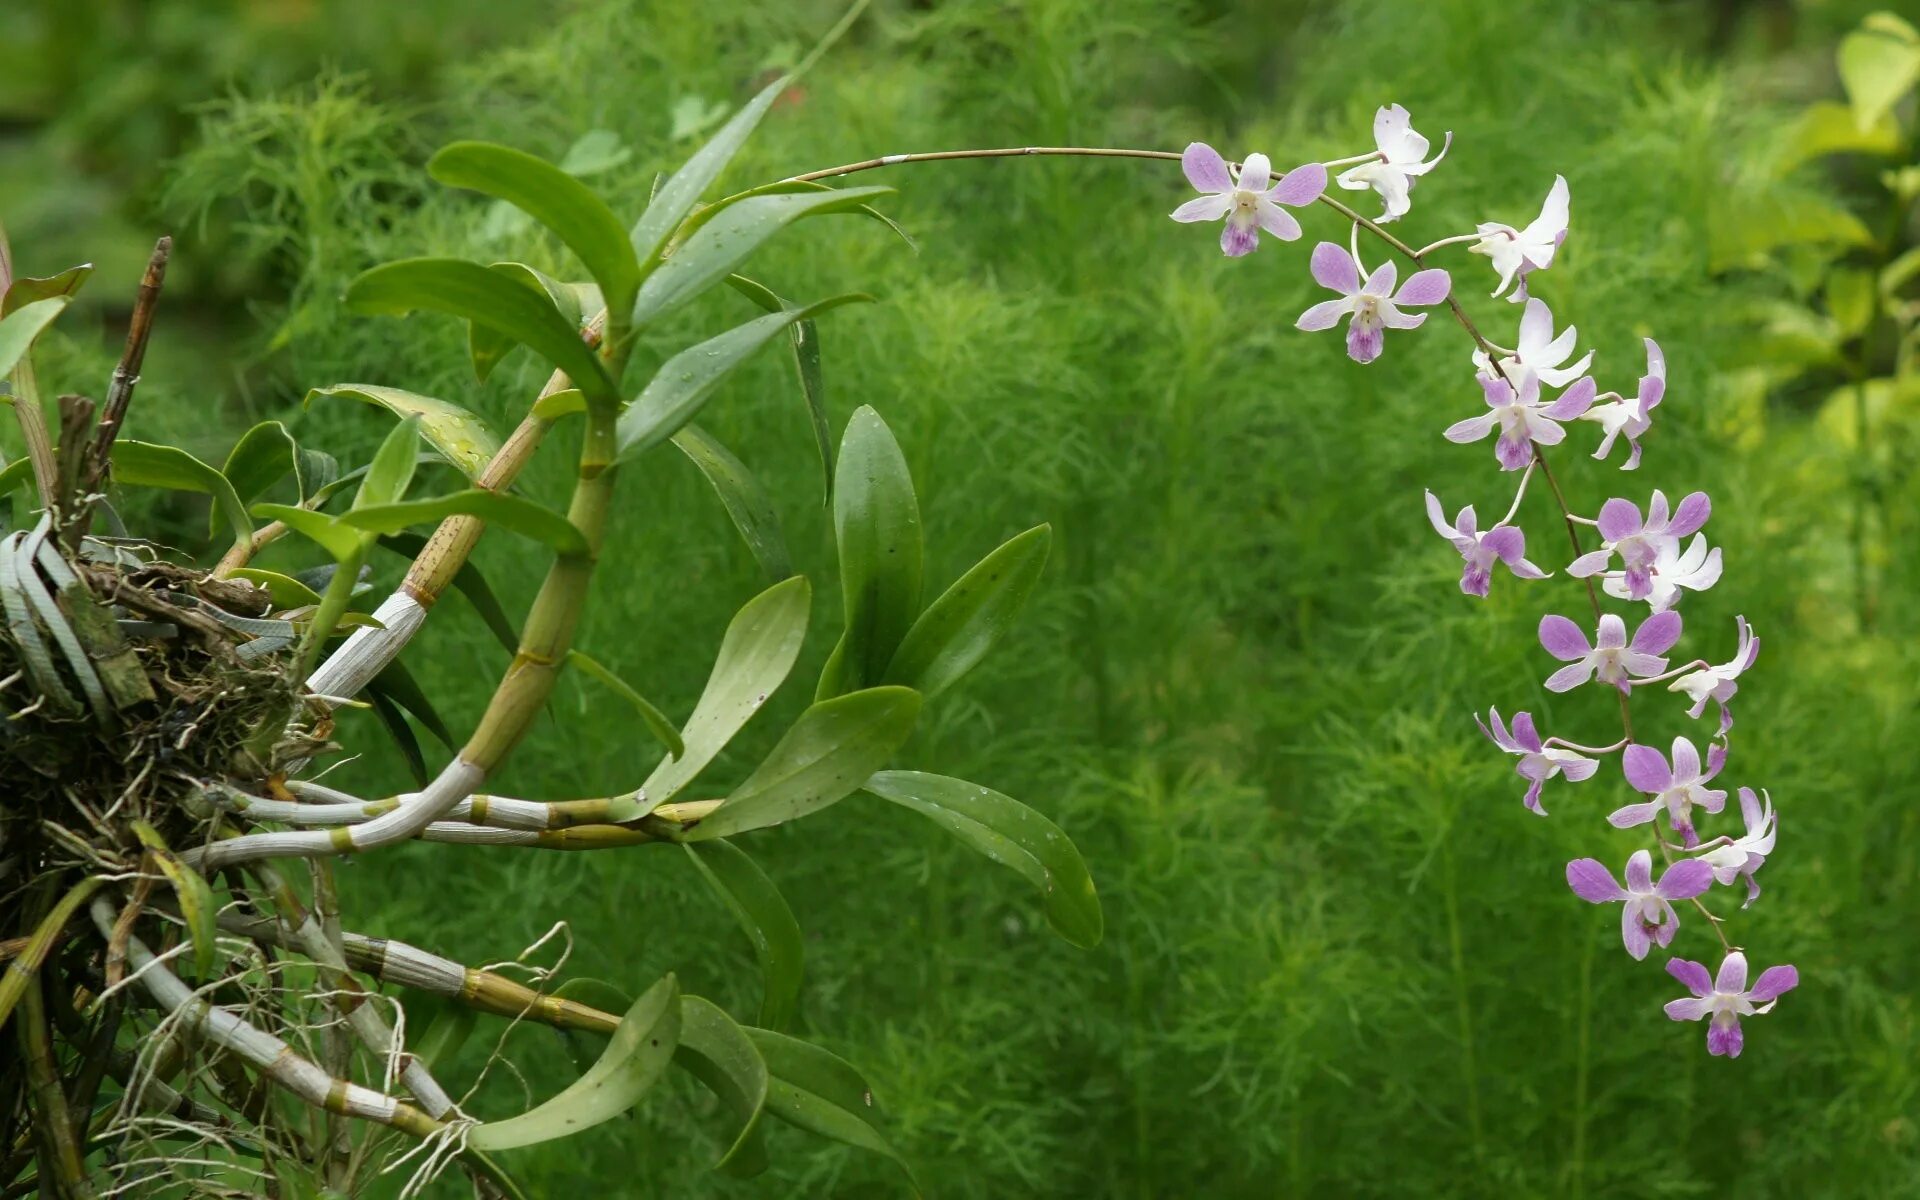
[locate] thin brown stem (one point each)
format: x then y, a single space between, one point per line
127 373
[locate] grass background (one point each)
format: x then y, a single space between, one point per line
1340 958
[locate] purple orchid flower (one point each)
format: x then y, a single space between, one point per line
1720 683
1726 998
1396 162
1537 350
1538 762
1648 916
1611 658
1516 252
1677 790
1374 304
1640 543
1632 418
1521 418
1502 543
1674 570
1745 855
1248 204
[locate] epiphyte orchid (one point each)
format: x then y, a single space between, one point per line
1396 162
1503 543
1678 790
1638 541
1538 351
1538 761
1516 252
1745 855
1611 658
1727 998
1374 304
1632 418
1648 916
1249 203
1720 683
1674 570
1522 420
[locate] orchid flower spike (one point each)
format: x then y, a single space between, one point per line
1522 420
1516 252
1726 998
1396 162
1538 762
1677 790
1374 304
1247 203
1612 658
1745 855
1720 683
1648 916
1694 569
1539 351
1502 543
1632 418
1641 544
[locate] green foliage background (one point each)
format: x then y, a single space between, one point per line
1340 959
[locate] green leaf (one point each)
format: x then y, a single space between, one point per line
566 403
461 436
18 330
469 582
337 539
1879 63
448 1030
1828 128
635 1057
1850 299
316 470
785 186
395 723
822 1093
30 289
144 464
197 905
1744 234
718 1052
487 347
523 517
758 650
960 627
746 502
1898 272
262 457
1011 834
398 684
804 336
677 196
876 522
18 474
683 382
469 290
555 199
286 591
763 913
655 720
726 241
391 471
827 754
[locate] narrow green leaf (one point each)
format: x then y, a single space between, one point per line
24 968
554 198
446 1031
876 521
469 582
1009 833
391 471
523 517
197 905
286 591
262 457
673 199
316 470
18 474
727 239
804 337
635 1057
763 913
656 721
469 290
758 650
822 1093
461 436
717 1051
144 464
30 289
339 540
560 404
683 382
827 754
18 330
746 502
399 685
395 723
488 347
957 630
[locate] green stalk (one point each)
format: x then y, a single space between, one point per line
61 1161
333 605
